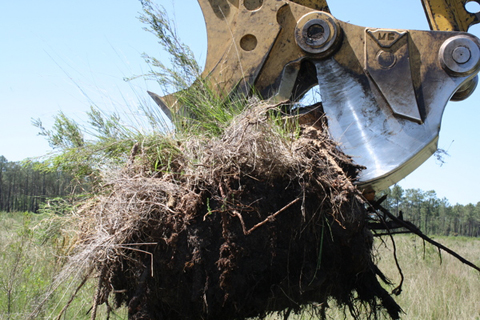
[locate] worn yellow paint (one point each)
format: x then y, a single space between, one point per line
449 15
251 43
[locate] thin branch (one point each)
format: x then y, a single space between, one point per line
410 226
392 233
269 218
398 289
143 251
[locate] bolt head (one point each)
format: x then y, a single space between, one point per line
461 55
317 33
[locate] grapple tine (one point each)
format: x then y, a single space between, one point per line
383 90
159 101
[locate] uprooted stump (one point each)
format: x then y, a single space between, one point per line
253 222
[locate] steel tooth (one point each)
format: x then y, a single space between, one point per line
389 147
365 112
158 100
390 129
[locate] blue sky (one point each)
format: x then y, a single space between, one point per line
67 55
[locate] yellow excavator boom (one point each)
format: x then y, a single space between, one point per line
449 15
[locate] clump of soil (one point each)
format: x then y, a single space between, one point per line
256 221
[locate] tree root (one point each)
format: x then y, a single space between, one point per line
396 222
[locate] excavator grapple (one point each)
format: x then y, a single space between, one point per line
383 91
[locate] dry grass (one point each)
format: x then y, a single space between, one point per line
193 206
170 184
433 289
183 208
29 262
436 288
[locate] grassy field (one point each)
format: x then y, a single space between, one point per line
30 257
433 289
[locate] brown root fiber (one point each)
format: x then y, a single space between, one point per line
253 222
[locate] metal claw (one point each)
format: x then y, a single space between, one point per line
383 91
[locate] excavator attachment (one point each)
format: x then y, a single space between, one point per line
383 90
450 15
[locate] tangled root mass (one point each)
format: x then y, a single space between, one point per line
240 226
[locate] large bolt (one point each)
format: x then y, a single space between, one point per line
460 56
317 32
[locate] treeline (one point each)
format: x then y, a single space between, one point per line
433 215
23 187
